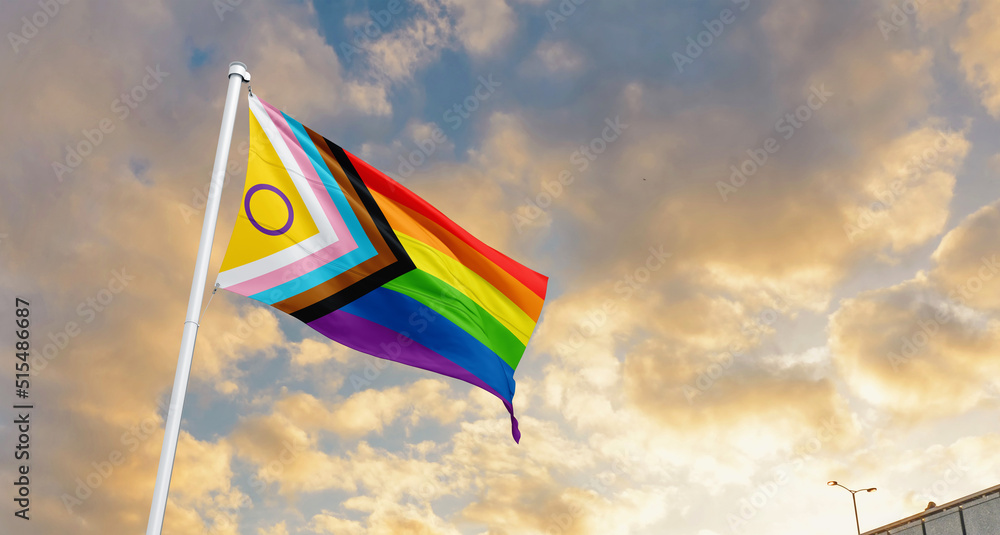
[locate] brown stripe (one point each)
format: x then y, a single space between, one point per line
383 258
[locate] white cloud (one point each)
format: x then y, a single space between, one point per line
482 26
559 56
977 44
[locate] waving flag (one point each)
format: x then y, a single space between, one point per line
328 239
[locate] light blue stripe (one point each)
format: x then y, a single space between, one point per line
363 252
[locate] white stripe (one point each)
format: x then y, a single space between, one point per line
326 237
273 262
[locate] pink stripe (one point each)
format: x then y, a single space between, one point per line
291 271
315 260
305 164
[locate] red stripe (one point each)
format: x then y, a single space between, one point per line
374 179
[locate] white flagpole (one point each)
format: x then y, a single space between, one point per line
237 75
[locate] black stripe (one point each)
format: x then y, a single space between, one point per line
373 208
402 265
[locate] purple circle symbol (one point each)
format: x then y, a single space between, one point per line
288 205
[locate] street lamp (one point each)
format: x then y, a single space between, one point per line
855 500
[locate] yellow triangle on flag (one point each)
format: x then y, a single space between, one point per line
271 193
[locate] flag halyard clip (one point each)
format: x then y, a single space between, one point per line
209 300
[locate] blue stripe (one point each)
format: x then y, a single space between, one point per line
423 325
363 252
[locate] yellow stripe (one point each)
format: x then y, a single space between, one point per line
463 279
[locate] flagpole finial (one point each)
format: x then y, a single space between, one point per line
240 68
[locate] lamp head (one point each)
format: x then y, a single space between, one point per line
873 489
831 483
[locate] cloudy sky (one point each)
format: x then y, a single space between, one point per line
778 266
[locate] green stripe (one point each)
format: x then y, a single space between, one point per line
444 299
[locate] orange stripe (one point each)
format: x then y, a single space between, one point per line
376 181
423 229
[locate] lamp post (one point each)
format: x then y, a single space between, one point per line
853 498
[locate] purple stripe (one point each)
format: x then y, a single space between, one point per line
374 339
